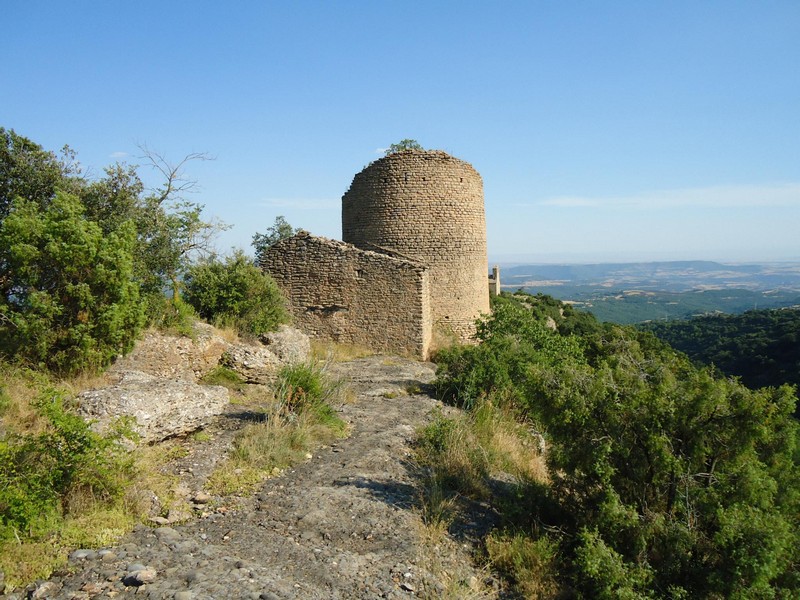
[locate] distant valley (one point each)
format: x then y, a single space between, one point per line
637 292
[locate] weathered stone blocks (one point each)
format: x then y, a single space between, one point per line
414 258
426 206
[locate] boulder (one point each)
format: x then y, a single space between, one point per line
162 408
290 345
256 364
261 363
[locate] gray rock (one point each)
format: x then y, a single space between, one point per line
174 357
260 364
82 554
202 497
140 577
290 345
161 408
165 534
256 364
46 589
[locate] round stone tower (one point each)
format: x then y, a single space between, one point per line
426 206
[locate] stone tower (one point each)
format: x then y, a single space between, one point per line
426 206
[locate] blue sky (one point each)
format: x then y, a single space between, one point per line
603 130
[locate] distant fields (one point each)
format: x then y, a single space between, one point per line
637 292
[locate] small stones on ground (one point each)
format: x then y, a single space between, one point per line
44 590
159 520
92 588
202 497
83 554
140 577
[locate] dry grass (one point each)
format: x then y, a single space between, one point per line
442 556
459 581
462 456
28 561
229 334
97 528
265 449
86 381
530 563
19 390
464 451
510 446
442 337
297 418
327 351
153 481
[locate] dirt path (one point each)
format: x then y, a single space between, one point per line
342 525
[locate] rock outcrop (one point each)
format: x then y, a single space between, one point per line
162 408
156 384
174 357
290 345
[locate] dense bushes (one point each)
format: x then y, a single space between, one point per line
79 257
760 346
236 293
46 472
666 480
67 298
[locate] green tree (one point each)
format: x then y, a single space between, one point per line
29 171
115 199
67 296
279 230
237 293
402 145
170 230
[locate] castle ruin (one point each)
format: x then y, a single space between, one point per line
413 260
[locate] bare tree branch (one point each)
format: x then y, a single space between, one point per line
176 183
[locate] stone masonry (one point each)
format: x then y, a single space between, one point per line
427 206
339 292
413 259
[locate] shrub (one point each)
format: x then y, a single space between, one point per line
666 480
43 471
306 388
236 293
67 300
299 419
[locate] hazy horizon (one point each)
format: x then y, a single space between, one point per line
537 259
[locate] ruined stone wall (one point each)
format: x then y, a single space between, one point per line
428 207
346 294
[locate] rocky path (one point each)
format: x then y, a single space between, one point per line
342 525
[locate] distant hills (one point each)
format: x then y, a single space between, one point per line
637 292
